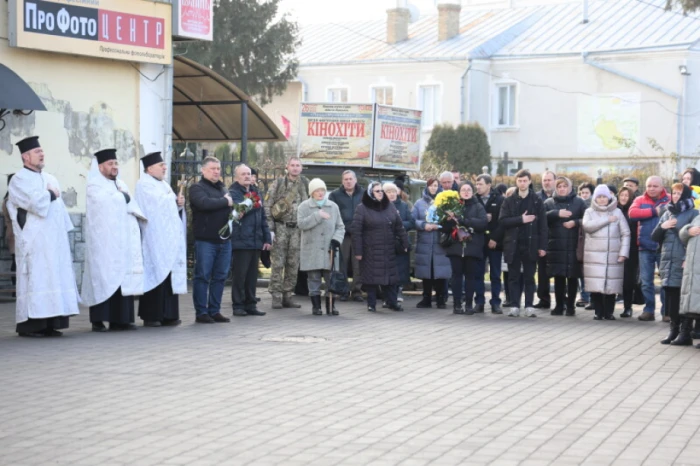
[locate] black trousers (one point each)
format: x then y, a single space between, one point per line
565 289
118 309
528 277
439 285
631 279
543 282
160 304
463 271
244 278
673 302
604 304
390 294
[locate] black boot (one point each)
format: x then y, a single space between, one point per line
683 338
627 312
696 330
316 305
424 303
441 300
673 333
457 308
331 310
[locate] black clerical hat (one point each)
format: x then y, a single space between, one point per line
151 159
27 144
105 155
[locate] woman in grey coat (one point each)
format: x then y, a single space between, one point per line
432 264
679 213
605 249
322 230
690 286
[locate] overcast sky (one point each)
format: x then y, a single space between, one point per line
315 11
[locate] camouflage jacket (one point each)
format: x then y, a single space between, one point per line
278 191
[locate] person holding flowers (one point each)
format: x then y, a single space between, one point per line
249 235
431 263
464 221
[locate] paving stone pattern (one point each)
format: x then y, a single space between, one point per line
412 388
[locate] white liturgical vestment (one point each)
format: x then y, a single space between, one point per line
46 285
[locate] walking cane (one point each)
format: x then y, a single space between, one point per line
330 295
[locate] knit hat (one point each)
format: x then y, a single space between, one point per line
316 183
602 190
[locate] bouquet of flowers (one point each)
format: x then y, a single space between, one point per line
250 201
448 201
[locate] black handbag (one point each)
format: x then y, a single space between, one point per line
338 283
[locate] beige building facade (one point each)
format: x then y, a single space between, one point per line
607 90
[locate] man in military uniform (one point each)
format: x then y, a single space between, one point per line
283 197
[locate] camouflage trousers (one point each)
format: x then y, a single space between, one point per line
284 259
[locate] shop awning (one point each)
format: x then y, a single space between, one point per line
15 94
207 108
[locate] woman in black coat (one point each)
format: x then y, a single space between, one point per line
375 229
631 278
403 261
564 215
463 255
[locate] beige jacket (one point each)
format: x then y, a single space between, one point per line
605 242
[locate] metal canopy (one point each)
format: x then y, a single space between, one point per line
15 94
208 108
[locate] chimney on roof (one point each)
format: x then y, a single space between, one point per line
448 20
397 20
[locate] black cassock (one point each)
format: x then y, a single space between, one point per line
118 309
43 325
160 304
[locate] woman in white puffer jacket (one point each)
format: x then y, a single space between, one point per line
605 250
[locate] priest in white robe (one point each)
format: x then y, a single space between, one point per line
47 293
113 271
163 244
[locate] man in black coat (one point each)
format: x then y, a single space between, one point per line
211 205
543 294
348 197
493 246
249 236
525 240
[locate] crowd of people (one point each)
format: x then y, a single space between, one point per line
596 243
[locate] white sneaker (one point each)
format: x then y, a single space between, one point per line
399 298
530 312
514 312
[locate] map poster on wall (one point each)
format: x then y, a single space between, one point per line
608 122
397 138
336 134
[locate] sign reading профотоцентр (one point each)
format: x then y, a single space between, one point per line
133 30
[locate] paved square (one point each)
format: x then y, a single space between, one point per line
419 387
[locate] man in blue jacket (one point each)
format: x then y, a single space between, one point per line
249 236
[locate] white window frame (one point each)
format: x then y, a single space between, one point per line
512 107
437 103
383 86
330 89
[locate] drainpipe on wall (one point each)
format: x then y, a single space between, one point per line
462 95
168 81
649 84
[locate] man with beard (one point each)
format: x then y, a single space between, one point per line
114 262
46 290
163 245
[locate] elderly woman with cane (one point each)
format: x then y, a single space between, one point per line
322 231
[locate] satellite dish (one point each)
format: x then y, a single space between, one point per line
415 12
